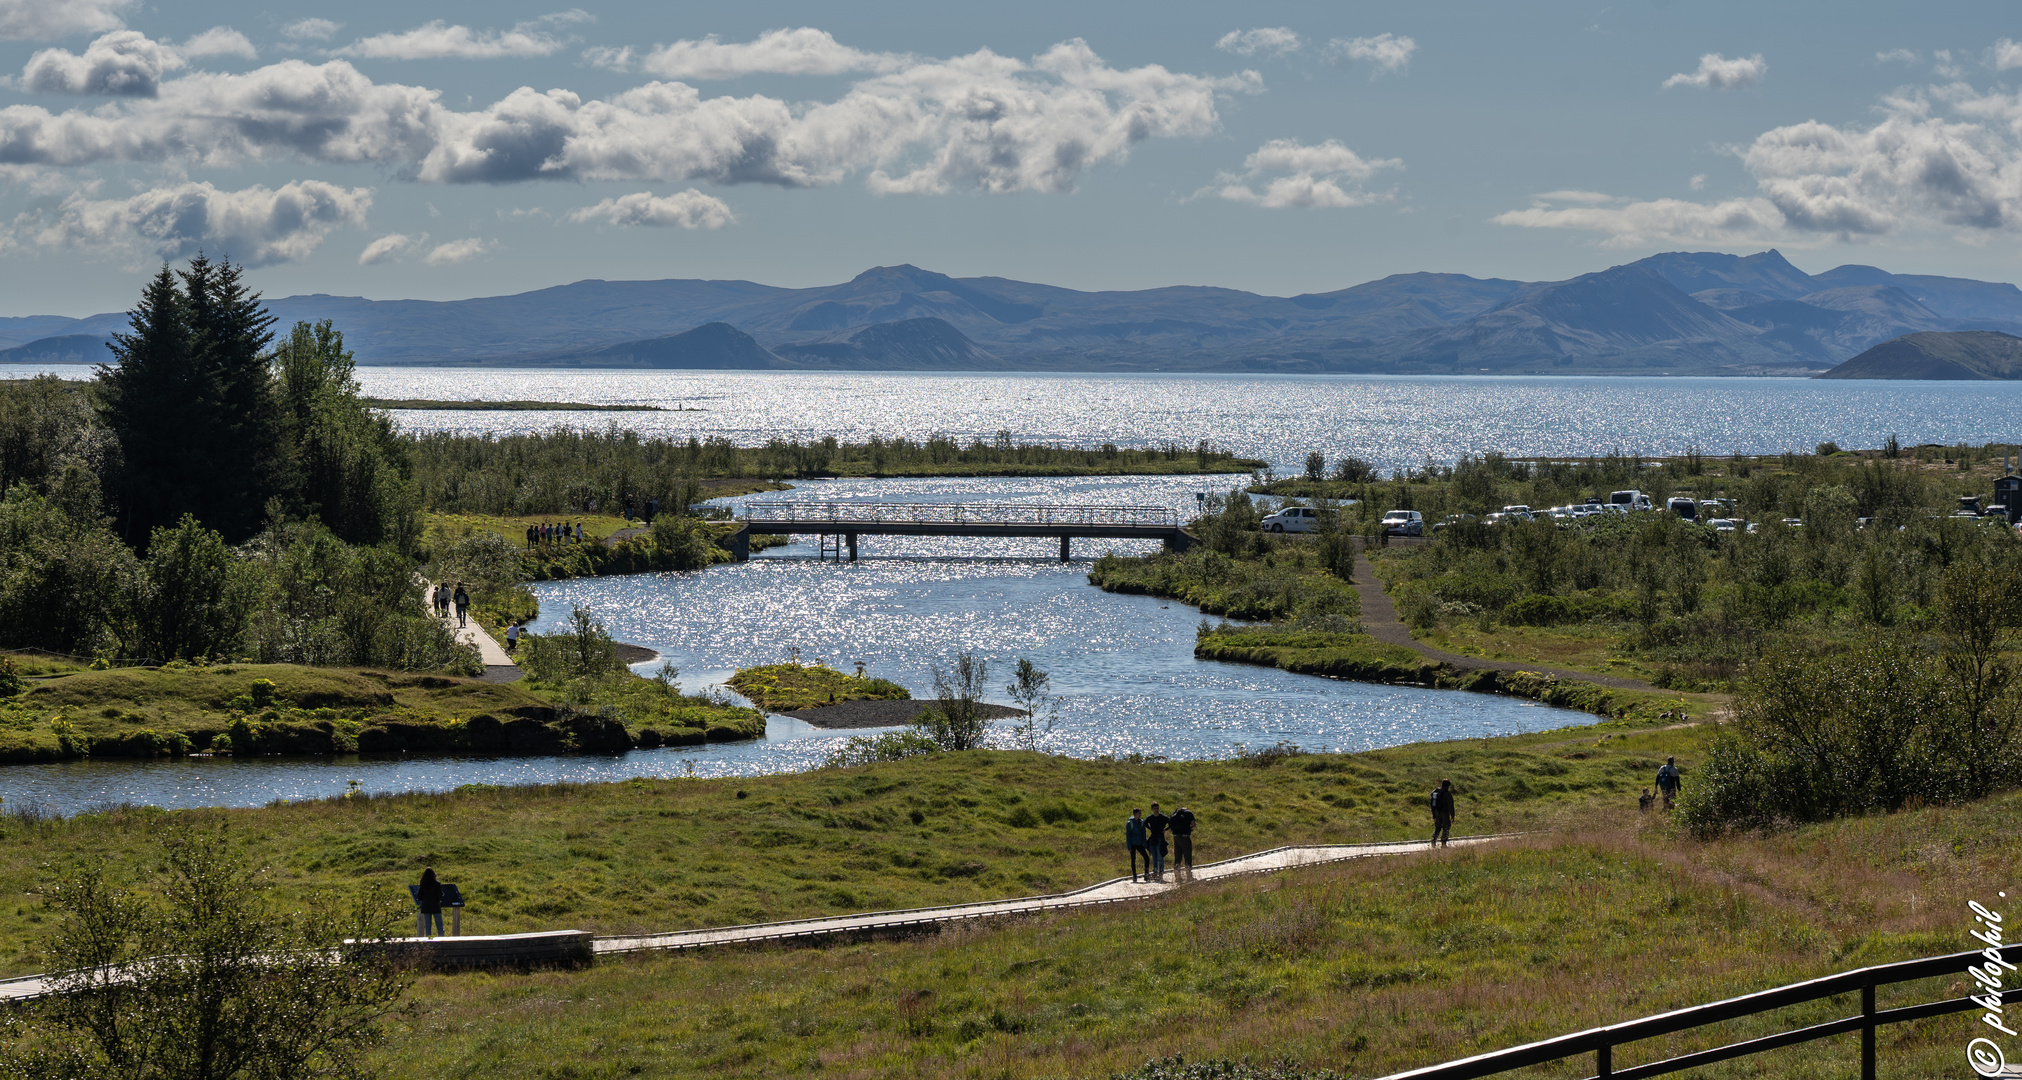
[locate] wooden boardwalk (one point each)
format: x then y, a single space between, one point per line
872 923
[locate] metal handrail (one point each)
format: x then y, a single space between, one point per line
1601 1041
885 513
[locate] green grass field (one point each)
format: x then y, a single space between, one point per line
651 855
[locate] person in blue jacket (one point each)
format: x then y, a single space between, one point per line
1138 841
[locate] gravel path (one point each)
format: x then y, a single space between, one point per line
1379 617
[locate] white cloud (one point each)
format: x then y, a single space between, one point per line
1658 221
1698 182
388 247
439 40
220 41
689 209
311 29
1313 177
1574 196
1720 73
254 226
978 122
1389 52
46 20
124 63
608 58
1898 56
2007 54
457 251
1268 40
802 51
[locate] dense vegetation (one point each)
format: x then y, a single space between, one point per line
572 471
794 685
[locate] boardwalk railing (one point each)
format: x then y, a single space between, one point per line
1602 1041
883 513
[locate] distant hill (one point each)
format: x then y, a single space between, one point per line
911 344
62 349
711 346
1971 354
1678 313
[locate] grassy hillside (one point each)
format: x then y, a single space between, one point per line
672 854
292 709
1364 968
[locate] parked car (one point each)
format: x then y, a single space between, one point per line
1452 520
1519 512
1725 525
1631 500
1292 519
1684 507
1404 523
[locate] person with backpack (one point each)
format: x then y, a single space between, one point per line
512 638
1154 838
1134 840
1182 842
462 601
1669 780
1442 812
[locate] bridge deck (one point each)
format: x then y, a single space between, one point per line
852 520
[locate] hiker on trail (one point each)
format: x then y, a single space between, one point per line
1442 812
1183 842
1154 835
1669 780
533 536
1134 839
429 897
512 638
442 601
462 601
579 532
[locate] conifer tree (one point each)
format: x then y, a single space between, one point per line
147 397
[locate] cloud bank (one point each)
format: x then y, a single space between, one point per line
123 63
1390 53
801 51
46 20
439 40
255 226
1264 40
978 122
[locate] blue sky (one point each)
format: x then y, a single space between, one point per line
451 150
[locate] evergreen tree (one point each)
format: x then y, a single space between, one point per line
229 334
344 463
148 397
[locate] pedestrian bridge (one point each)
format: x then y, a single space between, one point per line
845 522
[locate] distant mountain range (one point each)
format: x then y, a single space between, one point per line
1680 313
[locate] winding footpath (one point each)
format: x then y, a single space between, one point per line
498 666
1379 617
866 924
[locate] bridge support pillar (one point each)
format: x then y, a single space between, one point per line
852 537
1063 549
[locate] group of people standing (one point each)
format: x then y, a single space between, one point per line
549 532
445 598
1145 837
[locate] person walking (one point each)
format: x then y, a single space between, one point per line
429 898
512 638
1154 835
462 601
1442 812
1669 780
533 531
442 601
1183 842
1134 839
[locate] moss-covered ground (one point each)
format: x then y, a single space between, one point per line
792 685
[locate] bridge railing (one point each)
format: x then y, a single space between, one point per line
1602 1041
883 513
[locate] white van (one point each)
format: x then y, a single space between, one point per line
1292 519
1634 500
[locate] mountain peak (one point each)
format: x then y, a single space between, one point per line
903 274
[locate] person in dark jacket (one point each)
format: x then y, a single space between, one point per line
1134 839
1669 780
429 897
1154 837
461 599
1442 812
1183 842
